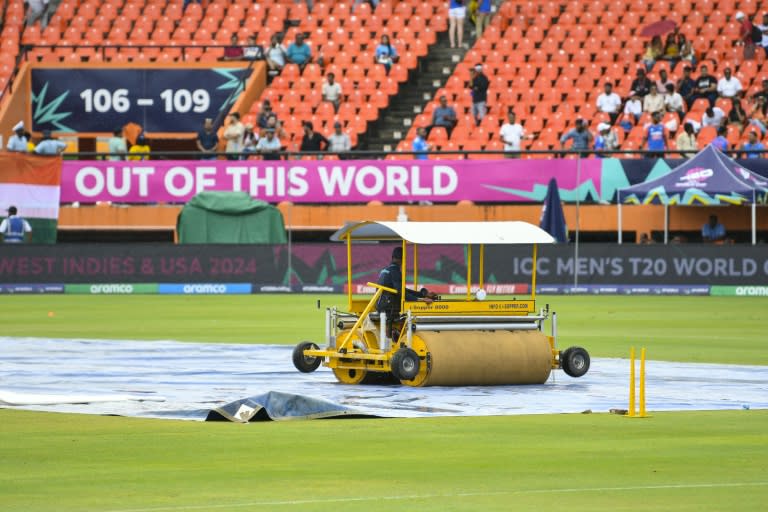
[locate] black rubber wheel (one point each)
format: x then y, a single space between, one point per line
305 364
574 361
405 364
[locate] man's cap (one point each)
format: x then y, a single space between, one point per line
18 126
397 253
739 15
478 67
12 210
603 126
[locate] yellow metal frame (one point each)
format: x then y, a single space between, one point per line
348 355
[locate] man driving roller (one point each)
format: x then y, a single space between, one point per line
392 277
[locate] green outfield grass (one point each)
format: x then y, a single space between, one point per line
698 329
691 461
695 461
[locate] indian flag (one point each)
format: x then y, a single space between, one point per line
33 185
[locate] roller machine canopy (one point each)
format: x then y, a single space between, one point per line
490 233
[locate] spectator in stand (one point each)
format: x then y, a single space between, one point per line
737 116
420 147
483 16
686 141
713 116
479 88
706 87
207 141
50 146
653 101
444 115
140 150
673 102
656 137
634 107
457 11
661 83
582 138
686 86
609 102
753 147
653 52
339 142
15 229
606 139
763 27
671 50
299 52
269 145
721 142
641 85
252 50
385 54
757 116
18 141
273 123
312 140
234 51
687 54
729 86
512 133
264 113
250 139
275 55
332 91
713 231
116 146
762 92
746 35
233 134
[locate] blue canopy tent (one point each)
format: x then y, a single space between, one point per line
708 178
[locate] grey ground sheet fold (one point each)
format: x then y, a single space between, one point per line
237 382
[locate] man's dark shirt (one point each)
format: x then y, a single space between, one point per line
641 86
685 87
316 142
391 277
705 81
480 88
208 140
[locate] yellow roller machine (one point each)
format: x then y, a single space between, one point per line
471 340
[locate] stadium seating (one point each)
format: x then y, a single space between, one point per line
547 59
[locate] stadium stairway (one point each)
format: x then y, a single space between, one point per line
395 121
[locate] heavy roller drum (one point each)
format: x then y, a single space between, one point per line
353 371
473 358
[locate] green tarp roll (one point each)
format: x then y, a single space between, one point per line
229 218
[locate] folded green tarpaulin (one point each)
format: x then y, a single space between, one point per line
230 218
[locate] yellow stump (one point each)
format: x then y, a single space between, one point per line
636 410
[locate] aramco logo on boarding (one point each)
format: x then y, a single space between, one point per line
696 177
112 289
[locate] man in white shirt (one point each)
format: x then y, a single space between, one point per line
332 91
673 101
653 101
49 145
728 86
609 102
511 134
17 141
713 116
339 142
233 134
634 107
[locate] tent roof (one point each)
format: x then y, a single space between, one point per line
709 177
514 232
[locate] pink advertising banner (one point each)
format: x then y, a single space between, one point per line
326 181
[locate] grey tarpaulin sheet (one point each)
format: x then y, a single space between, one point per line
166 379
